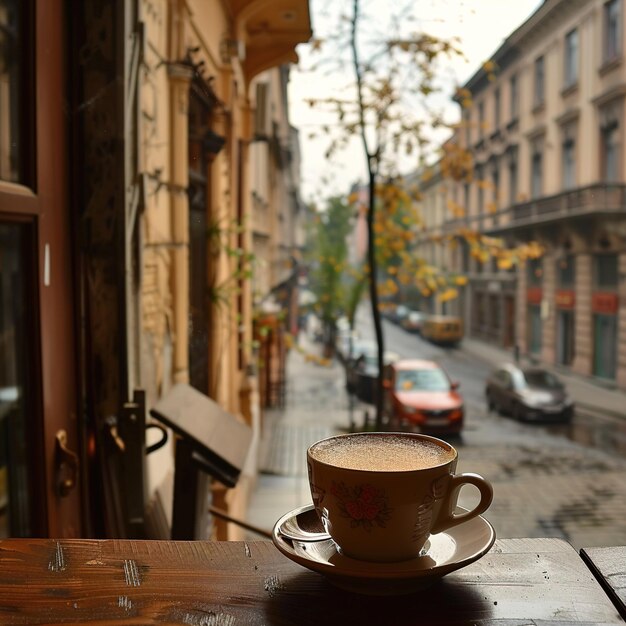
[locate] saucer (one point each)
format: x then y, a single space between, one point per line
443 553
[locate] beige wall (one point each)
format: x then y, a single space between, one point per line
277 232
581 109
207 34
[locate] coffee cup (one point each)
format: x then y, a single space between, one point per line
381 495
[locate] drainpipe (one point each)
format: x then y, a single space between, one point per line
180 76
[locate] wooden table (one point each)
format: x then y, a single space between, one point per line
519 582
608 565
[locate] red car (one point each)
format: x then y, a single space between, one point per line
420 394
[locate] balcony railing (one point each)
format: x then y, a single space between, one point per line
605 198
598 198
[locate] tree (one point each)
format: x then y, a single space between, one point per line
331 280
394 75
394 108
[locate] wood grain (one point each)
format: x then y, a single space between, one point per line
520 581
609 567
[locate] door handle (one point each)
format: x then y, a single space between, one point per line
66 464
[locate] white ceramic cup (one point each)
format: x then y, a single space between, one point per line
383 513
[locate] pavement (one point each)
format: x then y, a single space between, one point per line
545 486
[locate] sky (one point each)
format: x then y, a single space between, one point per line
480 26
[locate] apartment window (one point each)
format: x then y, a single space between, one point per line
569 163
481 118
465 257
539 82
610 140
610 152
467 123
534 272
612 30
514 97
571 58
481 190
495 179
513 176
568 157
566 271
496 108
466 198
605 272
536 169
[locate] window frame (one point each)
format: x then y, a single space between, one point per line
533 267
539 82
599 282
609 136
571 59
566 274
612 49
497 108
513 173
513 97
536 168
569 142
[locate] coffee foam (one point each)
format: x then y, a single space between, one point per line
388 453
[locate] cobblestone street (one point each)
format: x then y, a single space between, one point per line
545 485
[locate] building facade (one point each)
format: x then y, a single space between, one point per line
125 221
544 121
216 155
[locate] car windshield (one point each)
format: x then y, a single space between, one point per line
540 378
422 380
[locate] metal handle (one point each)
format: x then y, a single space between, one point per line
66 463
161 442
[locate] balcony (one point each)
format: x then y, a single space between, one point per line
599 198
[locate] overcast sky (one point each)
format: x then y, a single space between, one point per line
480 26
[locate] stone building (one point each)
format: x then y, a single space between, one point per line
126 206
546 130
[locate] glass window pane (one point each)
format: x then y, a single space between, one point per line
11 89
16 396
606 270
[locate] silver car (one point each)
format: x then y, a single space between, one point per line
530 393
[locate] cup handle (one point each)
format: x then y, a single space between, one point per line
447 518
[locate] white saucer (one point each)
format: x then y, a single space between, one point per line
443 553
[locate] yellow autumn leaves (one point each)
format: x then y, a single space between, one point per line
399 234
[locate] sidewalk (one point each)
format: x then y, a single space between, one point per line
590 397
316 406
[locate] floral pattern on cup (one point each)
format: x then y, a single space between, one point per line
364 505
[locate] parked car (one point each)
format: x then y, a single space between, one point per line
413 321
531 393
362 370
443 329
420 393
398 314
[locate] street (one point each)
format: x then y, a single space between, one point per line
549 480
560 480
